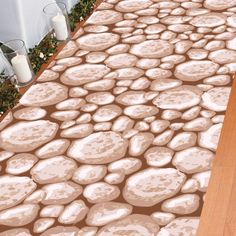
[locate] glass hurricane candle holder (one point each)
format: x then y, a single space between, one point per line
15 53
6 71
57 19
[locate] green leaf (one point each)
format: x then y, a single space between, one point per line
9 95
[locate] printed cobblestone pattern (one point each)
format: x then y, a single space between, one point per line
118 135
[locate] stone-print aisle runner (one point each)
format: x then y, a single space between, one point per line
118 135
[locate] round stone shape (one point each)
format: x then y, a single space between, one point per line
152 49
164 84
53 148
101 192
216 99
137 224
30 113
140 111
125 165
19 216
53 170
97 42
133 5
210 138
209 20
83 74
148 187
20 163
182 205
48 75
107 113
186 226
26 136
183 140
158 156
61 231
88 174
61 193
223 56
107 147
195 70
193 160
219 4
121 61
44 94
105 17
104 213
14 189
16 232
179 98
131 98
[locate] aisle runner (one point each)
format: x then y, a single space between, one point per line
119 134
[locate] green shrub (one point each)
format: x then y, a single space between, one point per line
9 94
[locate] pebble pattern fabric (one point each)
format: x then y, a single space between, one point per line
119 133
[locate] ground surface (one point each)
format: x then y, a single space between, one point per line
119 134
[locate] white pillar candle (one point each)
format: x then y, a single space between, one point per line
21 68
60 27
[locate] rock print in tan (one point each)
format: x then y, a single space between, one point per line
119 133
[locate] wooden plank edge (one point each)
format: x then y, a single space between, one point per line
217 201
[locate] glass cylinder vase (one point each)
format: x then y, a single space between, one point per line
14 51
6 70
57 20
